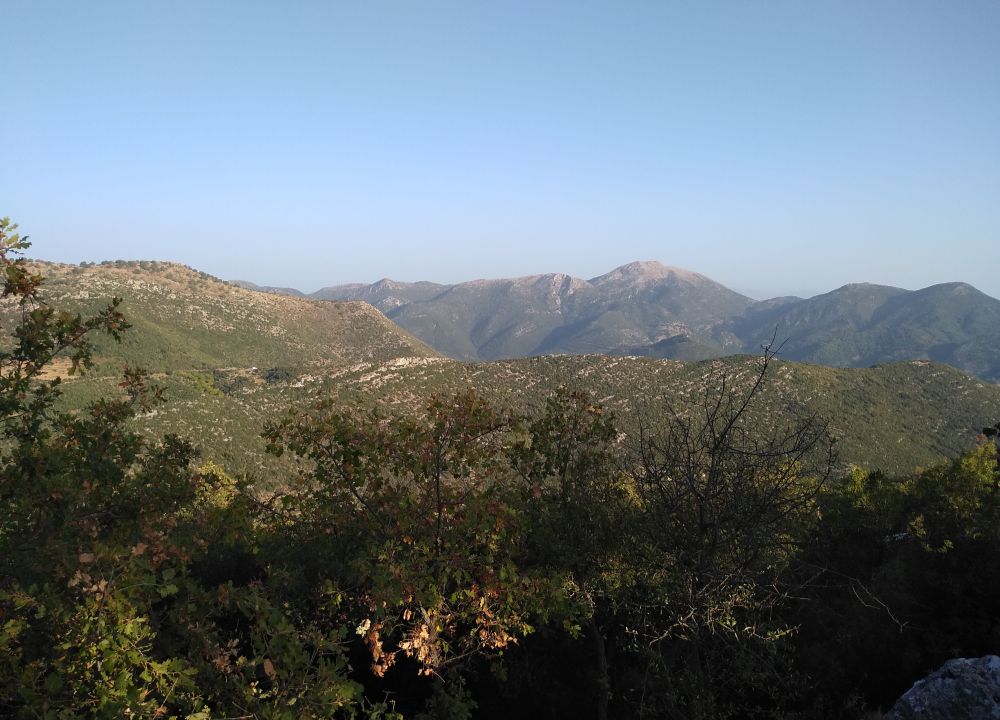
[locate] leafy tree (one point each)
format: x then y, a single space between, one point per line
110 603
577 509
911 569
417 518
992 434
77 492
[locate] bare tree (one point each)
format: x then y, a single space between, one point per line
725 485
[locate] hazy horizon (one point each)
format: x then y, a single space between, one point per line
753 293
779 148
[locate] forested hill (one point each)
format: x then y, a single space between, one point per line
859 325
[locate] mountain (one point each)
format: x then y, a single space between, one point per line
385 294
228 357
637 304
267 288
232 358
650 309
860 325
186 320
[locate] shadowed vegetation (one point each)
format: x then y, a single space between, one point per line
548 551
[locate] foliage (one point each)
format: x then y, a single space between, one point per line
724 491
430 506
692 559
911 569
103 612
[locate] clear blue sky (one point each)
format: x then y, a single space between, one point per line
775 146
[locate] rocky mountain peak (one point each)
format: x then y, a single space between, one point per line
387 284
646 271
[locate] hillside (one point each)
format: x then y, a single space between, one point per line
895 417
183 320
267 288
232 358
859 325
201 338
385 294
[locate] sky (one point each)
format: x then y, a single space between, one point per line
783 147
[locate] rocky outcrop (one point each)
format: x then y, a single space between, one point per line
961 689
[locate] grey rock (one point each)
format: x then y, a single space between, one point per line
961 689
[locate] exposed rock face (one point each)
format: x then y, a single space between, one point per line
961 689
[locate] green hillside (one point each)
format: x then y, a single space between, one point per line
183 320
859 325
231 358
205 341
894 417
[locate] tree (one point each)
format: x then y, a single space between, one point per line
578 513
725 486
911 569
76 493
112 600
417 519
992 434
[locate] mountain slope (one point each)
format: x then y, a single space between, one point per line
183 319
232 358
385 294
860 325
650 309
635 305
644 303
895 417
267 288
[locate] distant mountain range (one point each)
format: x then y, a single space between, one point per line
230 359
650 309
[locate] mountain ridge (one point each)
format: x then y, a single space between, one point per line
646 308
652 309
486 319
231 358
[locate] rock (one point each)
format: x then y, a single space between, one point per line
961 689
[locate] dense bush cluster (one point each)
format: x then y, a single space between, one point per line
468 561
